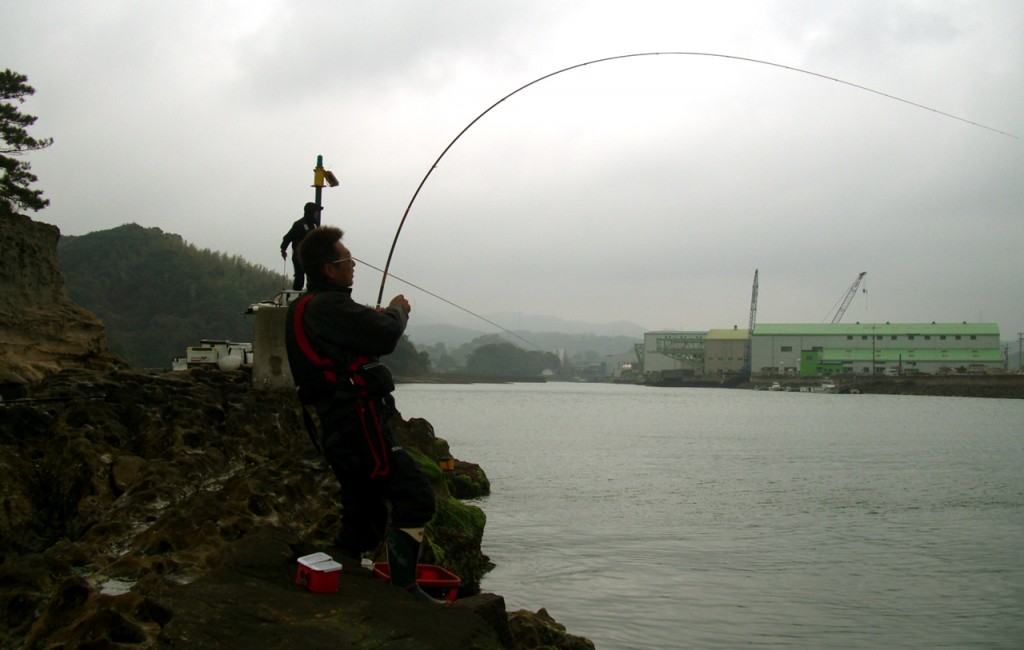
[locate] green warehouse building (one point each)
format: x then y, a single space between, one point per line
874 348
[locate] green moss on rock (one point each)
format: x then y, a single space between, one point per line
456 533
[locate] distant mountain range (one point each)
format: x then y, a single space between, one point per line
541 332
451 333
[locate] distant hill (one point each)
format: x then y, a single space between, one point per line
462 328
591 346
539 323
157 294
451 336
580 340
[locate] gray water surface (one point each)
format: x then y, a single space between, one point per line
710 518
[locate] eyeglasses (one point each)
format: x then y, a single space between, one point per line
344 259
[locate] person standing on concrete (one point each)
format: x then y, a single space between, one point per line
334 345
310 220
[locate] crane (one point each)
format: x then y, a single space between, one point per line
753 305
849 297
750 326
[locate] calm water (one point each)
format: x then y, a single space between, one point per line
702 518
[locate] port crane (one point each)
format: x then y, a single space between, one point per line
750 326
753 306
849 297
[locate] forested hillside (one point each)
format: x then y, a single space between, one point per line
157 294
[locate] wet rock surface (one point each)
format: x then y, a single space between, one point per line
168 510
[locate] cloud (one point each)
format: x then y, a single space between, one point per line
645 189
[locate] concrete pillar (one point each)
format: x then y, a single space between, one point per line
270 358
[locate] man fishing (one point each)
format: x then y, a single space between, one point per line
333 347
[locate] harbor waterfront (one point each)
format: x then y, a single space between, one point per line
705 518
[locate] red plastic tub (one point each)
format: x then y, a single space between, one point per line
439 583
318 573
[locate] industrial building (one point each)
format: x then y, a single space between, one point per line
813 350
725 351
824 349
874 348
673 354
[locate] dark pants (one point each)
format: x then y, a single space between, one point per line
373 473
300 277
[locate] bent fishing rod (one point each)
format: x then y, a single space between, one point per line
449 302
405 215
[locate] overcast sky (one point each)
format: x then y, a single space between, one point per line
645 189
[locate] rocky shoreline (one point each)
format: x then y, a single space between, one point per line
168 509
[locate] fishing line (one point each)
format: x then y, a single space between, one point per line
387 265
445 300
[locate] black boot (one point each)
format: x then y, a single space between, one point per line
403 554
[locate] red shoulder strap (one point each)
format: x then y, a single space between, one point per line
303 341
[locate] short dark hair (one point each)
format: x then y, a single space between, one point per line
317 249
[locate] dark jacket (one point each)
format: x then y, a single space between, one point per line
297 233
339 329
